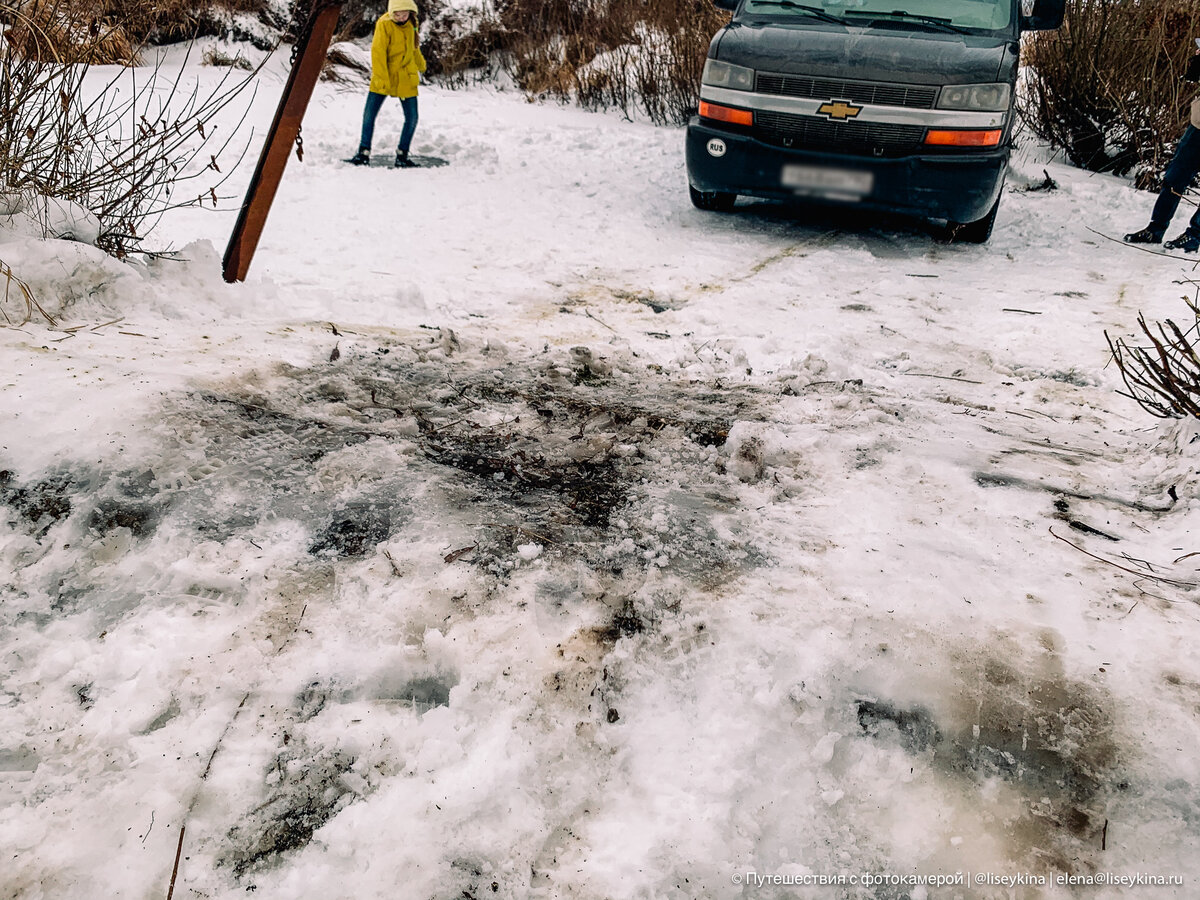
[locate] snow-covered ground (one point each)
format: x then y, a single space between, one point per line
517 530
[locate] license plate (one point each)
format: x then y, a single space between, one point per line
827 180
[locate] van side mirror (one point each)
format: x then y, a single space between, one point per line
1046 15
730 5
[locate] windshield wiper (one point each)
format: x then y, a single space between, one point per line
936 21
815 11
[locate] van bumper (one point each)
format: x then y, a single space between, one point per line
959 187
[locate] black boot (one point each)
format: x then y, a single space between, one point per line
402 160
361 158
1187 242
1145 236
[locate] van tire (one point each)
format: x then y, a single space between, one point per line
712 201
974 232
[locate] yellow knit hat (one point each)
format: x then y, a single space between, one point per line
394 5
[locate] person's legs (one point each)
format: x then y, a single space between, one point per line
1176 179
409 105
370 114
1193 229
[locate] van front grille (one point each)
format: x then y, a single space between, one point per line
812 133
915 96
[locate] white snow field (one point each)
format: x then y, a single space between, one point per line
620 550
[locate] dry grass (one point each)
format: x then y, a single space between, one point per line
214 56
1106 88
24 300
50 31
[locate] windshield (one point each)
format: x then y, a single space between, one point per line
947 15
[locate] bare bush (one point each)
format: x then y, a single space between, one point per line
667 72
116 145
1163 377
622 54
463 44
1106 88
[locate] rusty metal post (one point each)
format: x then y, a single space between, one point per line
309 58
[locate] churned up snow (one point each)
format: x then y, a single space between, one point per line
517 530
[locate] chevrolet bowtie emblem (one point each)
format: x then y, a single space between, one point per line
838 109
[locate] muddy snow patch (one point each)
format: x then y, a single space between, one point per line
1037 748
304 792
510 460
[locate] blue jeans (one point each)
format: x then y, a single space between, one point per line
371 112
1181 170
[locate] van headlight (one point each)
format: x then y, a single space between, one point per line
981 97
727 75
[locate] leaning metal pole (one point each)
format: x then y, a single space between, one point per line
309 57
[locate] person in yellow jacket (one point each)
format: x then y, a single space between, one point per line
396 64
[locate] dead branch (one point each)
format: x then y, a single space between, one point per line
1163 377
1109 562
942 377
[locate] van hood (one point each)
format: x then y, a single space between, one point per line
876 53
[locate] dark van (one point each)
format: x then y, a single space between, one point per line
901 105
